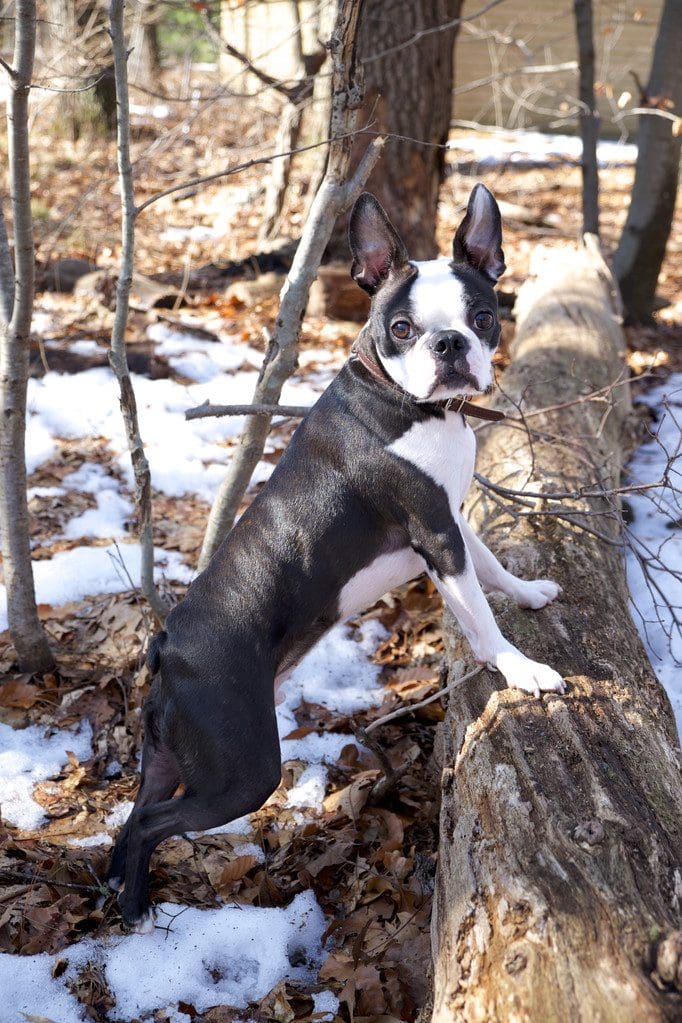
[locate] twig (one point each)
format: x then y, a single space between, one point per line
410 708
206 178
206 411
19 877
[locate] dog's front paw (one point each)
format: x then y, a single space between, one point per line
530 676
536 593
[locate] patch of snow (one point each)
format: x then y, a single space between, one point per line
196 233
239 826
658 526
309 790
119 815
233 955
160 111
249 849
30 991
538 148
90 571
338 675
40 444
87 348
27 756
44 492
107 521
101 838
325 1006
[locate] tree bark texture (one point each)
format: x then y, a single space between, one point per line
27 633
641 250
408 93
337 192
561 818
589 118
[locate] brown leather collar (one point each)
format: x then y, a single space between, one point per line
450 405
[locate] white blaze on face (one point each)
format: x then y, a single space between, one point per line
438 302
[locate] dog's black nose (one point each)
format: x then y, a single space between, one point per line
448 343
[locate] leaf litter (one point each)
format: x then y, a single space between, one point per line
361 867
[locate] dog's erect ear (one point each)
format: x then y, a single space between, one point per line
478 240
376 245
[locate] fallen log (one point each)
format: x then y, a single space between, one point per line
558 887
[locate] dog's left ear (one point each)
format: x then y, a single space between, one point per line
478 240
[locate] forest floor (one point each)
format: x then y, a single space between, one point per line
334 878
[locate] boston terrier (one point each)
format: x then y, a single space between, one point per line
367 496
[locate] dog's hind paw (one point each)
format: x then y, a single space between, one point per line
137 920
529 676
536 593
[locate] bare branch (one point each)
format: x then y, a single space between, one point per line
207 411
193 182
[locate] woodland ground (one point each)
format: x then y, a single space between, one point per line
369 862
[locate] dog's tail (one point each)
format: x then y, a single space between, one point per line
154 649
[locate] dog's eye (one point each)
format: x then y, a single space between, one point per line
484 321
401 329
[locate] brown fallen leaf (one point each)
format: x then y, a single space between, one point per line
18 693
350 800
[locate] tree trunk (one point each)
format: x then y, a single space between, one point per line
27 633
76 44
408 93
561 818
589 118
640 253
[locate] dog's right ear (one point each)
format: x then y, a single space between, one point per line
376 245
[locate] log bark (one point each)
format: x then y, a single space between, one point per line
561 818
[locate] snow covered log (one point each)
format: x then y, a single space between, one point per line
561 821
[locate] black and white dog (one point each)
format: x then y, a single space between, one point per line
366 497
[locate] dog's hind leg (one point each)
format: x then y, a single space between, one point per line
148 825
158 781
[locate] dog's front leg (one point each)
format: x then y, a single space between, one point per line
450 566
534 593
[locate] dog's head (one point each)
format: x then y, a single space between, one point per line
434 324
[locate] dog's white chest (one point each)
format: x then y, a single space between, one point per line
445 451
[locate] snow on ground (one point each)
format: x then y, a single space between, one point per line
231 956
88 571
249 950
535 148
658 525
27 756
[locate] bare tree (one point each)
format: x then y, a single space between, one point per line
117 355
589 118
28 636
641 250
336 194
